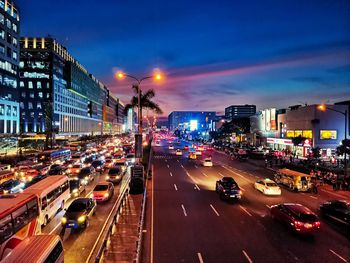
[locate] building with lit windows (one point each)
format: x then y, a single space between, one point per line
113 115
9 60
55 87
239 111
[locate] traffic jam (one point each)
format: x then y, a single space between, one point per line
55 181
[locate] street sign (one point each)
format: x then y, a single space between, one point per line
137 171
138 145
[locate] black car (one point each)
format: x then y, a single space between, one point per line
227 188
99 165
11 186
58 170
79 213
115 174
87 175
337 210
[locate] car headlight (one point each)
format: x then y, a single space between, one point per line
30 178
106 195
21 173
6 191
86 178
70 166
107 177
68 171
81 219
75 191
63 220
92 196
98 167
117 177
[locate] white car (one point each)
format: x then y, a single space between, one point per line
171 147
267 187
198 152
207 162
178 152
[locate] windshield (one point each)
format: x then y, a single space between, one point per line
271 184
308 217
85 171
101 187
76 166
77 207
114 171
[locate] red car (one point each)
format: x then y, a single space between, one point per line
296 216
186 147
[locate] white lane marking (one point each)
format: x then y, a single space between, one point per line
228 169
184 210
178 161
197 187
182 166
245 210
247 257
200 258
53 230
216 212
188 174
339 256
205 174
314 197
268 206
242 188
221 175
167 165
175 187
195 166
171 174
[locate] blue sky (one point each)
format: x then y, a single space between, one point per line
214 53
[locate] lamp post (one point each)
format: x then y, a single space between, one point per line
323 107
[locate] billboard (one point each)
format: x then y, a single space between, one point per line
273 123
267 120
328 134
193 125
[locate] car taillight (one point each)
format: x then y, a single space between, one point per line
317 224
298 223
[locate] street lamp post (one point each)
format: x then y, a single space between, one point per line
345 114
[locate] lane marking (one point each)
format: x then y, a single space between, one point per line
247 257
184 210
165 160
228 169
167 165
221 175
339 256
313 197
197 187
53 230
175 187
200 258
205 174
188 174
182 166
195 166
242 188
171 174
178 161
216 212
245 210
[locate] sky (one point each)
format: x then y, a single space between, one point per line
213 53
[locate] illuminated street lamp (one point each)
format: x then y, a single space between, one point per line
323 107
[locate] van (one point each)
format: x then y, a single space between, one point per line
39 249
294 180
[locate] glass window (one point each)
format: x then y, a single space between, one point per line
38 106
14 27
14 55
8 110
21 84
14 111
2 34
38 85
43 203
2 109
20 217
32 209
21 105
55 253
8 23
2 48
30 85
9 38
14 41
6 228
40 94
2 19
30 105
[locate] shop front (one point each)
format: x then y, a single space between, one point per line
279 144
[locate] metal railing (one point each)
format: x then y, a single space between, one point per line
103 240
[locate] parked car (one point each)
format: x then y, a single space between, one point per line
337 210
79 213
102 192
87 174
297 217
227 188
267 187
115 175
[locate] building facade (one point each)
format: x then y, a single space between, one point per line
239 111
9 61
55 88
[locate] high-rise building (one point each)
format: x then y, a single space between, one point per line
239 111
55 88
9 59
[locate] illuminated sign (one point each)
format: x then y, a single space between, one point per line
280 141
193 125
273 119
307 134
328 134
290 134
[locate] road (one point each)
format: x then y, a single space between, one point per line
78 244
191 223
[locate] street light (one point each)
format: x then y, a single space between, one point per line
323 107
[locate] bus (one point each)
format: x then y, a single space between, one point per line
48 248
18 220
55 156
53 193
6 175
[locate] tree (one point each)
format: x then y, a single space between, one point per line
316 152
146 102
298 140
344 147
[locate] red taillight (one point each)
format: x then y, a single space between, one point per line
298 223
318 224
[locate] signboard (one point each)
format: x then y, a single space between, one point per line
137 171
193 125
280 141
328 134
290 134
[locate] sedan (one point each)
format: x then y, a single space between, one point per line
178 152
267 187
87 175
11 186
79 213
227 188
115 174
297 217
337 210
99 165
171 147
207 162
102 192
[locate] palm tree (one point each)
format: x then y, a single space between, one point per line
146 102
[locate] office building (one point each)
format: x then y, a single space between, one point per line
239 111
9 60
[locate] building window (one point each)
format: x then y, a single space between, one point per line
23 94
38 85
14 55
32 114
30 105
31 95
21 84
8 23
2 109
8 110
2 19
2 34
9 52
47 85
40 94
14 41
2 48
21 105
30 85
38 106
14 111
14 27
9 38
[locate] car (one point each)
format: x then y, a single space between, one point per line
59 170
115 174
171 147
207 162
337 211
198 152
99 165
76 186
75 169
102 192
227 188
79 213
109 163
87 174
157 143
267 187
130 159
11 186
297 217
186 147
192 155
178 152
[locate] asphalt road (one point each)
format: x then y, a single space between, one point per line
79 243
191 223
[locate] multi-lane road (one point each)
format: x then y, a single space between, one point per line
191 224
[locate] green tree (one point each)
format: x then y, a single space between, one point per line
298 140
146 102
316 152
344 147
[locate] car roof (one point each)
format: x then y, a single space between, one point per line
341 201
267 180
103 183
81 200
228 179
298 208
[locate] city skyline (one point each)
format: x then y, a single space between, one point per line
235 52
